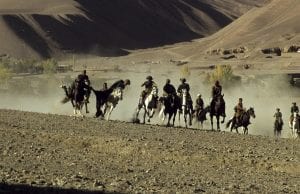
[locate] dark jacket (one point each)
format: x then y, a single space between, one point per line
169 89
216 91
148 84
183 86
294 109
82 78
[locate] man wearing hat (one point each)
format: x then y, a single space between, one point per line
148 87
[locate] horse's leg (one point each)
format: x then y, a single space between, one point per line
109 112
162 114
170 116
144 117
236 129
174 116
184 116
218 123
190 117
86 107
211 122
179 119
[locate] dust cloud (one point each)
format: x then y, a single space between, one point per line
264 94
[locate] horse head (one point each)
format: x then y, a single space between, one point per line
251 112
184 92
154 91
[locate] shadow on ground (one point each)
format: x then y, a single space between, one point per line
24 189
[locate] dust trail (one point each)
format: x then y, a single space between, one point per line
264 94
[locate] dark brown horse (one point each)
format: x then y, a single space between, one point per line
75 94
200 115
243 122
171 104
217 109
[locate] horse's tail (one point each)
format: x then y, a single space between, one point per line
65 100
228 123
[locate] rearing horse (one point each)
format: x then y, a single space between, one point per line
112 101
149 105
75 94
79 92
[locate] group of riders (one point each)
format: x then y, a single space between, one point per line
83 83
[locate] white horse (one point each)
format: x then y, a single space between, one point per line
149 105
295 125
186 109
112 101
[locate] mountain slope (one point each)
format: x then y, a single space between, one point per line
274 25
109 28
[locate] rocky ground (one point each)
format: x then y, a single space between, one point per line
43 153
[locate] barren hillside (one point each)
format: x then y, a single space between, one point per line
274 25
109 28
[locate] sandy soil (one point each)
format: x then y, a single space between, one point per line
45 151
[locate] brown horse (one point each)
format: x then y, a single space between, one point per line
217 109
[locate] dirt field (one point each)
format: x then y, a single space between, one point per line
44 151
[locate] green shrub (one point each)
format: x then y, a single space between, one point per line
49 66
185 71
5 74
224 74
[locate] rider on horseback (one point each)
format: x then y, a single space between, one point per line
169 89
83 81
104 87
278 121
149 84
199 104
186 86
294 109
278 115
217 92
239 110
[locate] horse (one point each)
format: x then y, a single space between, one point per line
79 99
76 95
295 125
102 97
186 108
149 105
244 121
200 115
69 95
278 127
217 109
112 101
171 104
